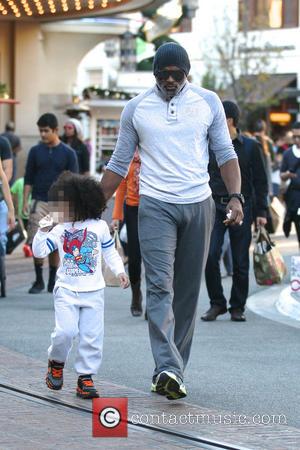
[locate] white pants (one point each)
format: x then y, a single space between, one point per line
78 314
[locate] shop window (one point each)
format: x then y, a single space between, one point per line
106 138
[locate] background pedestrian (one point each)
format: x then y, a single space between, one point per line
46 161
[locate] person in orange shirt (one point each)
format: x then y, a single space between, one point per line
128 190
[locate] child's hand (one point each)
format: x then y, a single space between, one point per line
124 280
46 223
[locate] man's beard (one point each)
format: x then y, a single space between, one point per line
170 93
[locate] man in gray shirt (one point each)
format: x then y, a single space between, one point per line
171 125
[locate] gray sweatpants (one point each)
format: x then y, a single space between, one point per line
174 241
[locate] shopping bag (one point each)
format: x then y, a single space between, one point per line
268 264
123 234
275 213
109 277
15 237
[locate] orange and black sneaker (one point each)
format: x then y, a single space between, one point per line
54 377
86 387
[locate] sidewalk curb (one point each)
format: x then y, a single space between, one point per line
265 303
288 305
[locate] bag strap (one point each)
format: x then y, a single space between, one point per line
262 232
117 239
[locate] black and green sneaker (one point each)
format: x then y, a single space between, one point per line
86 387
154 386
168 384
54 377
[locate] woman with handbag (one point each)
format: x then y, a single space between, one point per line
129 191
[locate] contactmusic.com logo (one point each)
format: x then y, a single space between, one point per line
110 417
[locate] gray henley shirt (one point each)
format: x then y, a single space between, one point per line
172 137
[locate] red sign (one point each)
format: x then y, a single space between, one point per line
110 417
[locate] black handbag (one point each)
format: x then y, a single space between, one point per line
15 237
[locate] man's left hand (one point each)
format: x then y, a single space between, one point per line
237 215
261 221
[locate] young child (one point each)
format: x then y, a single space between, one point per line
81 238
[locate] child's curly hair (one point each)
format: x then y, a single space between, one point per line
84 195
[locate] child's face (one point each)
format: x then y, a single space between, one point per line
61 211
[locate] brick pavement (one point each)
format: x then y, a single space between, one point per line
43 428
26 424
29 425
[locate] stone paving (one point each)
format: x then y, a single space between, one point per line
31 425
27 425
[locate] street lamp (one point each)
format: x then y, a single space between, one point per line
128 52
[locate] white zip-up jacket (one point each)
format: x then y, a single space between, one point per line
80 246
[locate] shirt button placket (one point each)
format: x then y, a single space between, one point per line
172 110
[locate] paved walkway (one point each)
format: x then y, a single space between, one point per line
35 425
32 425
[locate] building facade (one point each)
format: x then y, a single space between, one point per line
40 54
269 24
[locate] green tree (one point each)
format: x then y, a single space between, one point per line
209 80
244 67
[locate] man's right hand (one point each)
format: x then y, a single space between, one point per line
110 182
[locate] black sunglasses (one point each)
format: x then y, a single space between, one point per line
163 75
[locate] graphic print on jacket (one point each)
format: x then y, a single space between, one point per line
80 252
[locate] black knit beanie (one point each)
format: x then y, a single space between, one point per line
171 54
